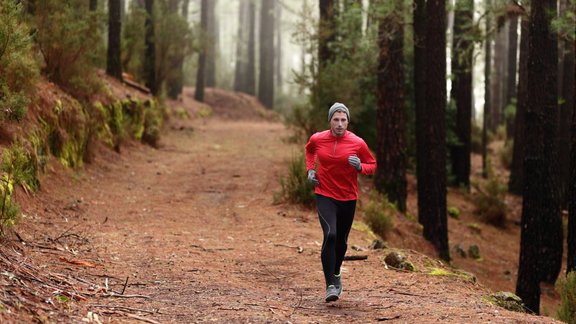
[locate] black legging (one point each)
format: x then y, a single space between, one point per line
336 220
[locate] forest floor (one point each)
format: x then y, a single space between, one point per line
190 232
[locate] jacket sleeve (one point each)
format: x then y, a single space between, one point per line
311 154
367 159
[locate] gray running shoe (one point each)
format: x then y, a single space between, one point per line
331 293
338 283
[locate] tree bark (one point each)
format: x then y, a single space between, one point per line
486 116
419 21
212 45
541 225
113 64
516 179
512 68
432 198
241 55
93 5
571 263
390 176
201 72
566 109
251 68
150 52
462 55
266 75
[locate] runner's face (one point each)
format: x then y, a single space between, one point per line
339 123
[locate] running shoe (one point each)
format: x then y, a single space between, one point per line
331 293
338 283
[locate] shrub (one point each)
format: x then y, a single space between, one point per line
491 201
567 288
70 40
295 187
506 154
378 214
18 69
18 168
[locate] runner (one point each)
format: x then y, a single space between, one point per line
339 155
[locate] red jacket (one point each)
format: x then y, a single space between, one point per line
336 176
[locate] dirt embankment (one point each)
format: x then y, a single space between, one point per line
189 233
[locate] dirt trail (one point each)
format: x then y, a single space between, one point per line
193 229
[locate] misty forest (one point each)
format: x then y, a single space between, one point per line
430 84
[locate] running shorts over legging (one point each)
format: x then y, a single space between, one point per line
336 220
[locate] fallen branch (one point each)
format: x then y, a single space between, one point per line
143 319
113 294
355 257
124 308
124 288
298 248
382 319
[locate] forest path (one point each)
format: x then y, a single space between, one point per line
192 229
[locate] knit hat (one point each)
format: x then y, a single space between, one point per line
338 107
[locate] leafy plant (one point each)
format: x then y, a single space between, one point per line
567 288
378 214
295 187
17 168
18 69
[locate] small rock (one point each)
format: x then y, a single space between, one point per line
508 301
378 245
474 251
394 259
459 249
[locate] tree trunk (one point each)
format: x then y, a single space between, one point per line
326 32
516 179
241 57
486 116
201 72
266 75
498 77
566 110
432 198
278 50
251 68
113 64
462 55
541 228
571 263
175 77
150 52
419 18
512 64
212 45
93 5
390 176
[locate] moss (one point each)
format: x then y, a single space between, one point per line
454 274
454 212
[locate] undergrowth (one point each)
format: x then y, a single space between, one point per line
491 200
567 288
18 168
295 187
378 214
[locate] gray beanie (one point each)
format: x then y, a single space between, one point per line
338 107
